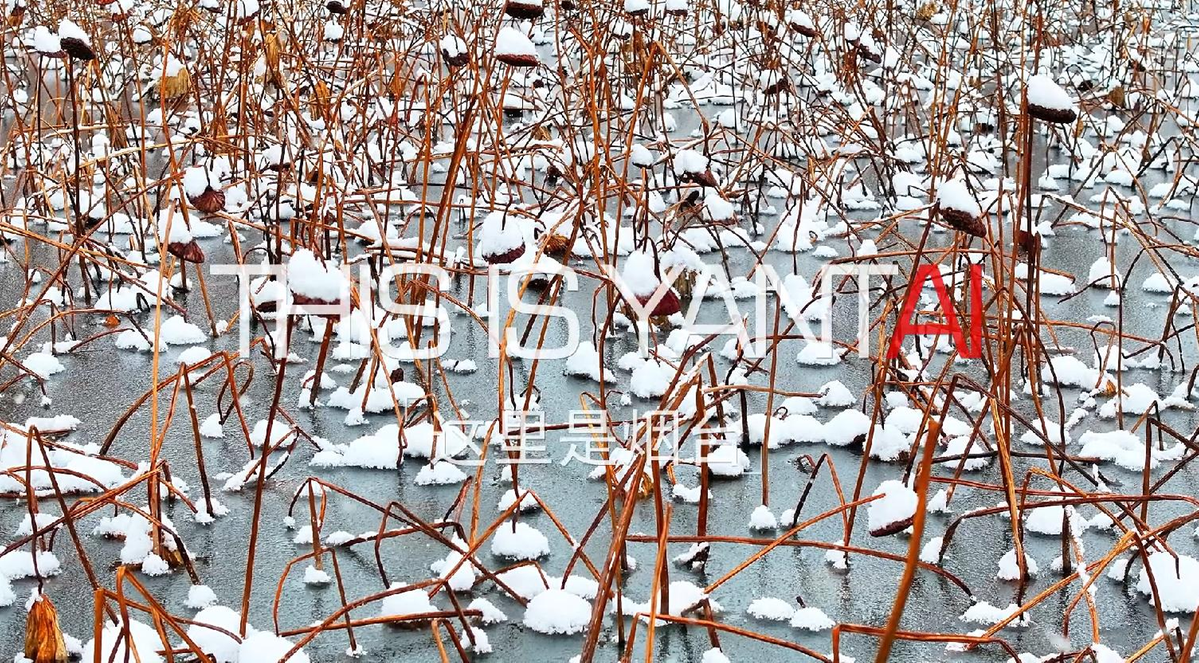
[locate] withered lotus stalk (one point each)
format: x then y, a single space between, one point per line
212 200
43 636
523 11
188 251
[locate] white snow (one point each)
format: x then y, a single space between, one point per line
67 29
311 277
897 504
522 543
490 613
406 603
267 647
440 473
223 648
1044 92
113 646
771 609
844 428
211 427
1177 582
812 619
500 233
1009 567
638 275
43 364
689 162
584 362
558 612
819 353
177 331
511 41
762 519
315 576
45 41
954 195
200 597
987 614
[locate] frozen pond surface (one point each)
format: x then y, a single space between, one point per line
100 383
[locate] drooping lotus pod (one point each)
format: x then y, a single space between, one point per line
43 636
959 209
75 42
1048 102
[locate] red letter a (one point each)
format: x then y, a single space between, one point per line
905 327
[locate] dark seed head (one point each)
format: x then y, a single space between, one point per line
76 49
1052 115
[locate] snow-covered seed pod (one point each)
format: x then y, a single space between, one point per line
453 51
959 209
676 7
513 48
202 192
176 81
894 510
691 166
524 10
46 43
313 281
175 234
640 276
799 21
501 241
636 8
74 41
774 82
1048 102
554 244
